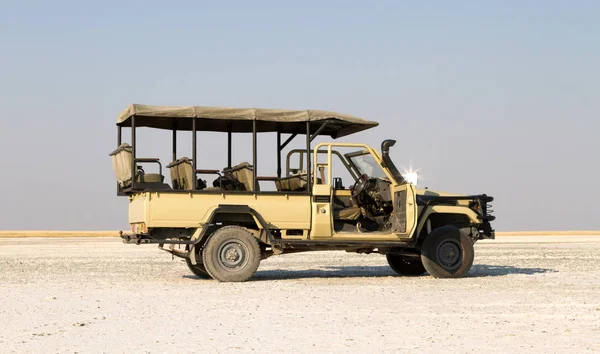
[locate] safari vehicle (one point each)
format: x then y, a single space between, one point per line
225 228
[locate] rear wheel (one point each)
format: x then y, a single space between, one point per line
231 254
405 265
447 253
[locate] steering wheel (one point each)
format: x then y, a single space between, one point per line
359 186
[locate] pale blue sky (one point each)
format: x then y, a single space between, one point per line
499 98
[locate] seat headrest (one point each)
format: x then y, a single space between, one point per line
238 167
179 162
123 147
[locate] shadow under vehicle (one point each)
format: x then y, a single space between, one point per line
226 228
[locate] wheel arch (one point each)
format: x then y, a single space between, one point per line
440 215
231 214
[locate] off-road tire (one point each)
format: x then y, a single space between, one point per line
447 253
231 254
405 265
198 268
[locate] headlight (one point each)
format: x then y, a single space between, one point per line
412 178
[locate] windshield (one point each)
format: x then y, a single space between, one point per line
367 165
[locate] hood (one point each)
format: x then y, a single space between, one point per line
429 192
424 194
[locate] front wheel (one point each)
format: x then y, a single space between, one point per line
405 265
232 254
198 269
447 253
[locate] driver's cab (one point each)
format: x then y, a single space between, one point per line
356 191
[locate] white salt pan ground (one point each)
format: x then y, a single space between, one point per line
533 294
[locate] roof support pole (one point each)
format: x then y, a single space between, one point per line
229 147
278 153
318 131
133 148
308 175
119 142
280 148
174 141
288 141
254 155
194 157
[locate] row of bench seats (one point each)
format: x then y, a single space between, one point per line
182 174
182 177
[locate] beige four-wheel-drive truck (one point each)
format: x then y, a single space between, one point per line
331 196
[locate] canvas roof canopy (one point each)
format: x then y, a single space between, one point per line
240 120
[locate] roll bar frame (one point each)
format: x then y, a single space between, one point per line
255 179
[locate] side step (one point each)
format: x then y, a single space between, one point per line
336 245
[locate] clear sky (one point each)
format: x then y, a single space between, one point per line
485 97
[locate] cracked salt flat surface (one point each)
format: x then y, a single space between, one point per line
93 295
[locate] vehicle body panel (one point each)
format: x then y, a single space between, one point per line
169 209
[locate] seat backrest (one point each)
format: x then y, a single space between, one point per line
294 183
182 173
186 173
243 173
122 159
174 171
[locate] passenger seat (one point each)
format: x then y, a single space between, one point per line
243 173
293 183
182 173
347 214
122 159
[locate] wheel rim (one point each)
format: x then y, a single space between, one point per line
449 254
407 262
233 255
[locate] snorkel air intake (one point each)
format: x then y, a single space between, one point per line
387 161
